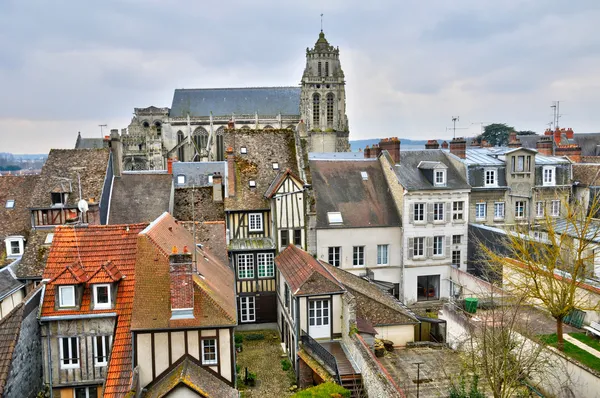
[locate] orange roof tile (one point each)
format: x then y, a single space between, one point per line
106 273
91 248
72 274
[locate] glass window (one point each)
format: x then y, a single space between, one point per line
245 263
69 352
334 255
457 210
358 257
490 178
66 296
419 212
539 209
499 210
456 239
456 258
520 209
101 296
283 238
419 247
287 296
382 254
438 245
316 106
298 237
10 204
180 179
15 248
428 287
438 211
101 350
86 392
334 217
555 208
209 351
329 109
520 164
440 177
549 174
256 222
247 313
480 211
266 268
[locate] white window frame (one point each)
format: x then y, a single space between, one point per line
494 177
520 209
539 209
458 209
9 249
422 217
210 362
265 263
383 252
439 178
180 179
97 305
555 208
10 204
478 206
335 217
245 314
247 265
335 253
419 242
358 256
499 215
549 176
74 361
438 212
255 222
106 348
438 246
61 302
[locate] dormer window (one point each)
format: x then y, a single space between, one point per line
439 178
549 175
58 198
491 177
10 204
14 246
102 296
66 296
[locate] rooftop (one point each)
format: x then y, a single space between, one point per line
494 156
197 173
15 217
139 198
414 179
33 262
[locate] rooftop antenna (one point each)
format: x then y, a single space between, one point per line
556 113
454 120
101 127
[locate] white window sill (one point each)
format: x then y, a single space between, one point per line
480 219
210 363
69 366
498 218
102 307
101 365
383 265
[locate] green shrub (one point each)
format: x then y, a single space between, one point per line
238 339
251 379
255 336
286 364
237 368
325 390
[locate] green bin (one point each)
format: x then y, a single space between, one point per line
471 304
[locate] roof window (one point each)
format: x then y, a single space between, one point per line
275 166
49 239
243 150
364 175
180 179
10 204
252 184
334 217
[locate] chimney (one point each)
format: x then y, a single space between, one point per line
485 144
230 172
569 133
444 145
367 152
230 124
116 147
217 187
458 147
392 145
544 145
170 166
182 286
432 144
513 141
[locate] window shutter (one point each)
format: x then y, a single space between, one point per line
429 246
430 213
411 213
411 247
448 241
447 214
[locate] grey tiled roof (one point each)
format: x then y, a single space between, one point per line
90 143
414 179
196 173
335 155
140 198
240 101
251 244
8 281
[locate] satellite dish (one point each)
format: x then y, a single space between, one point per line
83 206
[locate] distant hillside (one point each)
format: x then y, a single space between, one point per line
406 143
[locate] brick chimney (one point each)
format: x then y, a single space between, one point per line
116 147
544 145
392 145
432 144
170 166
372 152
230 172
513 141
217 187
458 147
230 124
182 286
444 145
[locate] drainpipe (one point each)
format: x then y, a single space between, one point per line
297 321
49 359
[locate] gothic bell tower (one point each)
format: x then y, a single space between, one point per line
323 99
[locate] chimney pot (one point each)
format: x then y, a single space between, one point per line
174 249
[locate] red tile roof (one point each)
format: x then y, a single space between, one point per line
71 275
305 274
91 247
106 273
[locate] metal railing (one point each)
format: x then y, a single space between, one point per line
322 354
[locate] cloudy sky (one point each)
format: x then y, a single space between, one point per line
68 66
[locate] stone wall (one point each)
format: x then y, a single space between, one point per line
204 208
25 376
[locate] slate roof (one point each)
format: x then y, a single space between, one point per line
373 304
212 236
91 247
196 173
60 172
8 281
493 156
339 187
214 289
276 184
240 101
304 274
188 371
257 165
413 179
140 197
589 142
244 244
575 229
90 143
586 174
10 328
34 258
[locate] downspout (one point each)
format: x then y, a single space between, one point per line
49 359
297 324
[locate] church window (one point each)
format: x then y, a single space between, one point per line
319 69
330 110
316 109
180 138
220 144
158 128
200 142
146 124
326 68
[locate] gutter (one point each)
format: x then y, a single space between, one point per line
75 317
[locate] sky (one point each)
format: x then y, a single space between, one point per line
410 65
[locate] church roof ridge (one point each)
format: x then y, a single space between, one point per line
238 88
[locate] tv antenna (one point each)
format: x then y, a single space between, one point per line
101 127
556 113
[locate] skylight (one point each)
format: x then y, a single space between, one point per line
334 217
364 175
49 239
252 184
10 204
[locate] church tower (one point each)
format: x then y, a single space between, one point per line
323 99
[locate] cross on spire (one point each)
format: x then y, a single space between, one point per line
321 22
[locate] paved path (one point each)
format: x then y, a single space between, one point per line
581 345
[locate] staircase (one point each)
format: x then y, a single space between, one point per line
354 384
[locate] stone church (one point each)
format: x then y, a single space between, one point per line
193 129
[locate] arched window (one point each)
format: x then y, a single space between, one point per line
180 152
326 68
200 142
158 128
319 69
220 144
316 110
330 110
146 124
